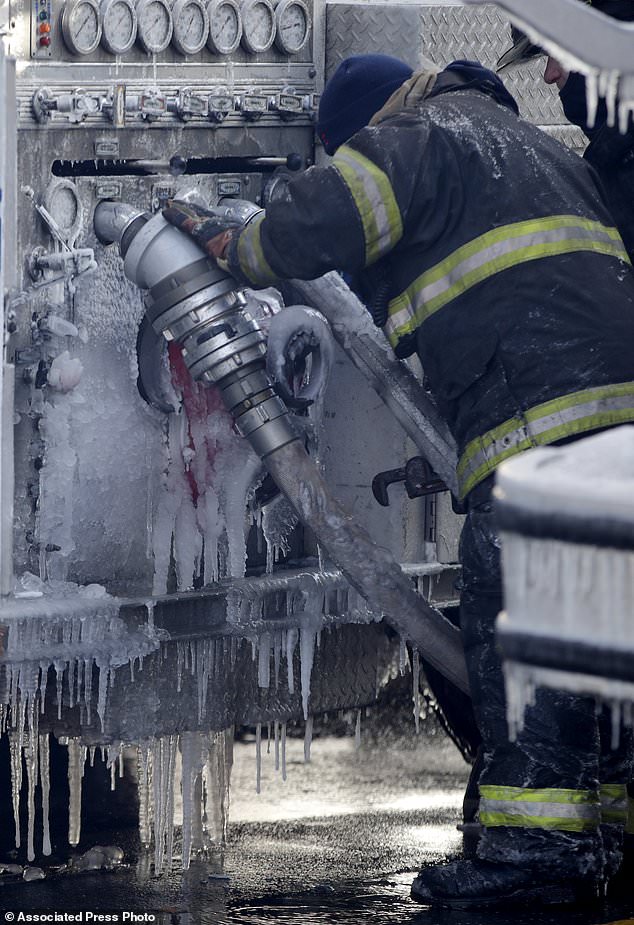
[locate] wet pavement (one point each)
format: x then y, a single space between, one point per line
338 842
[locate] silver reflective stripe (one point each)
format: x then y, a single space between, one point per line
587 811
487 256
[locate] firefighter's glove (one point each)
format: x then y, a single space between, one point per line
212 229
296 334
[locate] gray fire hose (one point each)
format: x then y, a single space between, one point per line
190 300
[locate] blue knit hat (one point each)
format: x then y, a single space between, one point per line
355 92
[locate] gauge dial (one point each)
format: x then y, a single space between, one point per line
81 26
225 26
62 202
119 25
191 26
155 24
293 26
258 20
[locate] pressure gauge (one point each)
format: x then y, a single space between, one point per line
258 23
293 25
155 24
119 25
225 26
81 26
191 26
61 200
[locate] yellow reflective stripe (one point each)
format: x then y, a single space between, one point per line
540 795
574 413
613 803
546 808
492 253
491 819
629 825
374 199
251 257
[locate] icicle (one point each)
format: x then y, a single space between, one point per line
217 775
42 675
308 739
258 757
45 784
163 767
144 778
276 733
283 751
608 88
76 758
292 636
277 657
31 756
307 655
416 689
91 755
402 656
120 762
71 668
268 738
16 782
264 660
357 731
104 682
592 98
88 665
192 766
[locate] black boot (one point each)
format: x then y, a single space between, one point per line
476 884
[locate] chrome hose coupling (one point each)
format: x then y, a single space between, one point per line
191 301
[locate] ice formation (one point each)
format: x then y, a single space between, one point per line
607 84
577 592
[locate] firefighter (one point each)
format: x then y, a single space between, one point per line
610 151
507 277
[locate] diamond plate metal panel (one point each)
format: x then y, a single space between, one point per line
358 28
444 34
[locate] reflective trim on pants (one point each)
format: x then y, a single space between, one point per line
546 808
613 799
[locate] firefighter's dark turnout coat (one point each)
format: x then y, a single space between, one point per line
507 273
511 282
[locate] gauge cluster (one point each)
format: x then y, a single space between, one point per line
199 29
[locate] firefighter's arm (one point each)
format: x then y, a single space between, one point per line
345 216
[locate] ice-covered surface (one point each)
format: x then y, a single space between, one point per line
573 593
592 477
522 681
102 444
560 590
294 335
369 568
